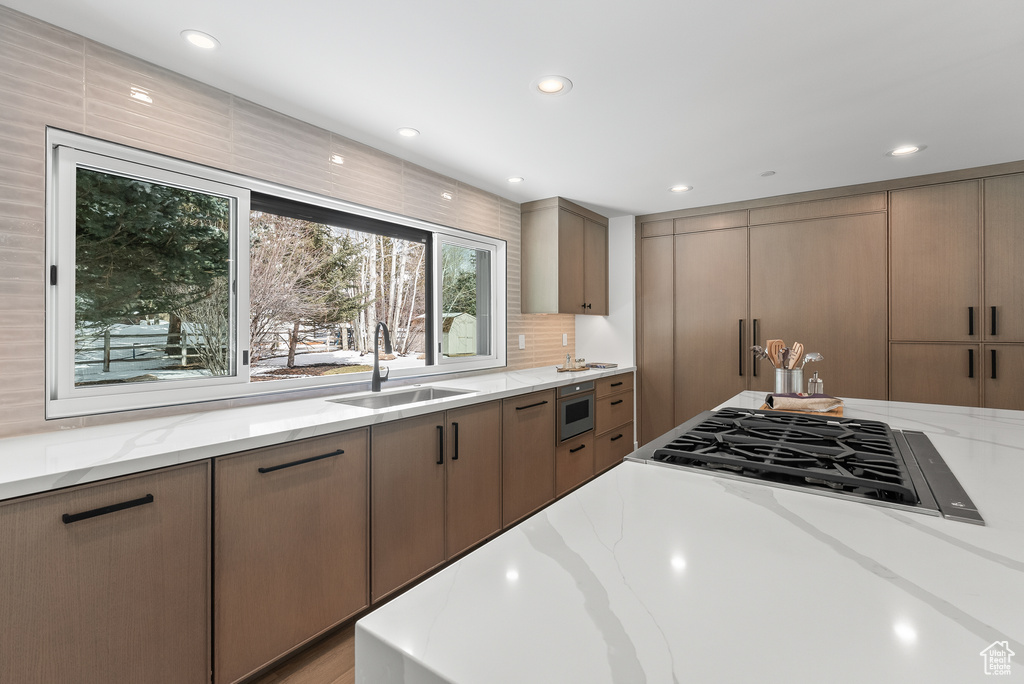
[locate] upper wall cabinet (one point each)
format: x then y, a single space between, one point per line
934 252
564 259
1004 254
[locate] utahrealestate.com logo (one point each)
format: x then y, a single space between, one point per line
997 658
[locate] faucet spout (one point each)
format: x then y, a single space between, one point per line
376 379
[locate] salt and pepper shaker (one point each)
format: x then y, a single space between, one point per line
815 385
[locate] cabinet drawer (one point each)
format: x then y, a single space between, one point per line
574 462
290 537
614 383
613 446
118 591
612 411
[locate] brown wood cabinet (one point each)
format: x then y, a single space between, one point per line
613 420
1004 261
291 541
711 330
822 282
407 476
656 332
613 446
1003 374
473 462
934 250
564 259
528 454
436 491
121 596
935 373
574 462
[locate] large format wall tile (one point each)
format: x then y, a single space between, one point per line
50 77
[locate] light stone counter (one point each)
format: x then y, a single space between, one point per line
651 574
37 463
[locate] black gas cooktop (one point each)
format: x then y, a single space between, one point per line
844 457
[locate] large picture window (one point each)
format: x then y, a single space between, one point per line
172 283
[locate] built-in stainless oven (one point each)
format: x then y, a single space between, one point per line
575 409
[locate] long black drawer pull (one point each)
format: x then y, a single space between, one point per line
440 445
75 517
994 321
618 436
300 461
993 364
754 337
970 363
617 401
741 348
616 384
970 320
523 408
581 446
455 439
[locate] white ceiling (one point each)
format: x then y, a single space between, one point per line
709 94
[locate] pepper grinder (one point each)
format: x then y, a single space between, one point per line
814 385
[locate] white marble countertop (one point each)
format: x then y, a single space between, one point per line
651 574
37 463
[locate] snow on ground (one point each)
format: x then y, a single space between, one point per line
340 356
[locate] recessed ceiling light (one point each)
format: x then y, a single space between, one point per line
141 94
680 188
553 85
200 39
408 132
904 150
516 179
765 174
337 159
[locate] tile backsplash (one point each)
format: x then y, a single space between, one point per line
51 77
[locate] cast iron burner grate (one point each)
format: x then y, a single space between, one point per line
858 457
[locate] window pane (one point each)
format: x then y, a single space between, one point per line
152 281
465 301
316 292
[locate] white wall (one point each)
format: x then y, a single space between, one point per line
611 338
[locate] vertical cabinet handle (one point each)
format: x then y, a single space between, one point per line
970 363
754 371
455 441
993 363
970 320
994 323
440 445
741 348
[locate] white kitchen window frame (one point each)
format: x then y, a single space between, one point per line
64 400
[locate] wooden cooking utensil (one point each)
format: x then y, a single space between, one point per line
773 347
794 355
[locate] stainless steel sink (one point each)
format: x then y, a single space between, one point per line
401 397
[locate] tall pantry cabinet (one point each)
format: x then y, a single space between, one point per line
957 293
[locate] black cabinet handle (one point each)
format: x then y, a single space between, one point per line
618 436
970 363
993 363
741 348
618 401
455 440
583 305
75 517
523 408
581 446
994 322
616 384
970 320
588 306
440 445
754 372
271 469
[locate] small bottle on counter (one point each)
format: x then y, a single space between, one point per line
814 385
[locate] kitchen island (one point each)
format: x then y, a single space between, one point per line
650 574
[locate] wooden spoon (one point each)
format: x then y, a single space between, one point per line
773 347
794 355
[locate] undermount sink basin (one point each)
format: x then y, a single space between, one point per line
401 397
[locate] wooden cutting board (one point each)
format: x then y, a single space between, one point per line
836 413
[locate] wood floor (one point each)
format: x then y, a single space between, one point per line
332 661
